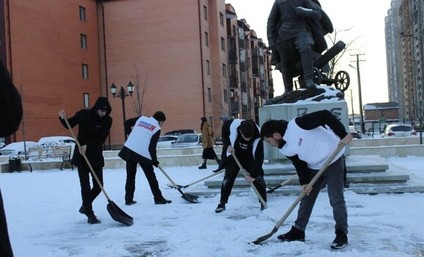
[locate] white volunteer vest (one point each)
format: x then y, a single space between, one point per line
312 146
141 135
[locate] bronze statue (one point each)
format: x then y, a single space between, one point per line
296 30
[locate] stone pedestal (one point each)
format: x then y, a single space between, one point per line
290 110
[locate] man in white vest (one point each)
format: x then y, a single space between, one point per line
308 141
140 148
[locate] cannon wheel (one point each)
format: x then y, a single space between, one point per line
342 80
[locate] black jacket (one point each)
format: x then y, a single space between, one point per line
249 160
10 104
92 131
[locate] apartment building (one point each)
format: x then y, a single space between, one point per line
405 55
65 54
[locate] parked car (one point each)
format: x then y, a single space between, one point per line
354 132
51 141
180 132
166 141
219 141
399 130
17 148
56 140
187 140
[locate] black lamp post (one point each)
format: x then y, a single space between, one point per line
122 94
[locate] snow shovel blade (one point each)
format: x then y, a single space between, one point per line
265 237
175 187
190 198
273 189
119 215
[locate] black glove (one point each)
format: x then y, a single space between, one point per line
155 163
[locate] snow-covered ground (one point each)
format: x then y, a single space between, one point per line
43 219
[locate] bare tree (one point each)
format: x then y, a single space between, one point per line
139 92
334 38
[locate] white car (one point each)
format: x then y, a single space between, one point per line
17 148
56 140
188 140
166 141
52 141
399 130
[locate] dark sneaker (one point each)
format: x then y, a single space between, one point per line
82 209
220 208
202 167
262 207
220 167
293 235
130 202
340 241
92 219
162 201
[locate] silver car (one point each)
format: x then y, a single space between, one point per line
188 140
166 141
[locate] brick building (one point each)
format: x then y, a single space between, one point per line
64 54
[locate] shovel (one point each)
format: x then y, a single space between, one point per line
187 197
300 197
115 212
285 182
246 174
195 182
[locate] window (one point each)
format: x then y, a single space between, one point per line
208 67
86 100
82 14
84 71
225 96
222 44
205 12
221 18
209 94
206 38
83 41
224 70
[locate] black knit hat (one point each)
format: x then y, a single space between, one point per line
247 127
159 116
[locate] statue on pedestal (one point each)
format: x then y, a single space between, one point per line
296 30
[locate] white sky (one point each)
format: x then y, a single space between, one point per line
43 219
366 20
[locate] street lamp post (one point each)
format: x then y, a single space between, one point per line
358 73
122 94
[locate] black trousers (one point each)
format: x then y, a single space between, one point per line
88 193
151 178
5 247
231 172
